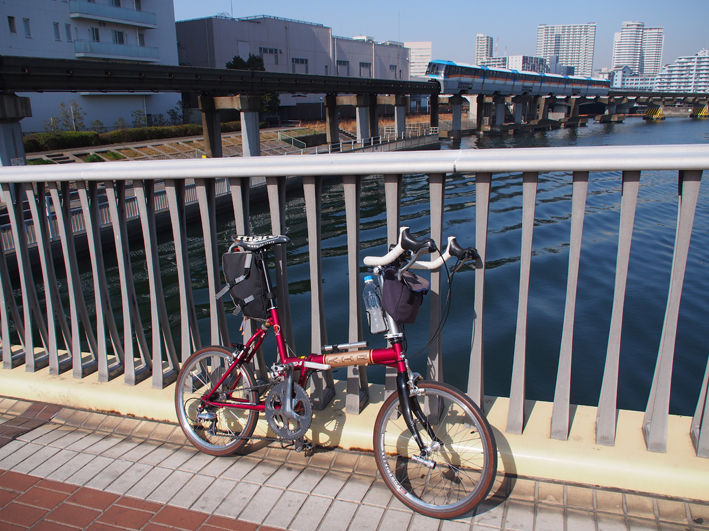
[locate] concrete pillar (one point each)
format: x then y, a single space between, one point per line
518 109
542 105
332 127
362 114
456 103
400 115
373 116
211 127
12 109
249 106
434 110
499 110
473 109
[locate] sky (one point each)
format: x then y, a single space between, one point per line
452 25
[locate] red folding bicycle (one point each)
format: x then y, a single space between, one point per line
432 444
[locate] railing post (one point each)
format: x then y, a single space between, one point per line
357 390
392 194
699 430
476 375
607 402
562 394
515 415
437 182
658 405
324 384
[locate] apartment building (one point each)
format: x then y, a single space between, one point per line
686 74
139 31
638 48
569 45
420 54
483 48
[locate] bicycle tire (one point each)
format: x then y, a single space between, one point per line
229 428
465 465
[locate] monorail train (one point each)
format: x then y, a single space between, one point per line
457 78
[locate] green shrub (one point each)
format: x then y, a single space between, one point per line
93 158
60 140
37 162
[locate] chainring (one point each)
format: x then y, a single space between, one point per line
282 426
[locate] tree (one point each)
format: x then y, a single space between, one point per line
52 125
97 125
71 116
139 118
120 123
270 102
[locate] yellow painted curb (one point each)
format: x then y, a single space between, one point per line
627 465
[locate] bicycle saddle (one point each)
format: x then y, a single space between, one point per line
256 243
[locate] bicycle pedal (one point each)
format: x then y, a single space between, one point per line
301 445
207 415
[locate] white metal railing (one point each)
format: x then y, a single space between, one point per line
39 312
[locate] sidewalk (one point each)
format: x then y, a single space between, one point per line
64 468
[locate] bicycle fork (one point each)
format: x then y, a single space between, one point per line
410 407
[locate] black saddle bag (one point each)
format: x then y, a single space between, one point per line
247 287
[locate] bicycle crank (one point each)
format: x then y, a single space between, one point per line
288 417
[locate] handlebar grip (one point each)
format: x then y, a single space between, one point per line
410 243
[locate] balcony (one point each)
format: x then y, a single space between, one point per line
88 10
102 50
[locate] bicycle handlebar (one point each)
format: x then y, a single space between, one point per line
408 243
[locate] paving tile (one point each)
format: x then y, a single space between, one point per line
128 478
149 482
191 491
609 502
524 490
550 493
87 441
139 451
490 514
548 517
169 487
322 459
611 522
641 506
176 517
579 497
577 519
92 498
261 473
237 499
48 438
331 484
158 454
57 460
69 439
197 462
71 514
64 472
345 461
285 509
283 476
20 454
41 497
90 470
355 488
37 433
454 525
211 498
392 520
368 517
217 466
119 450
109 474
308 479
139 504
101 446
10 449
378 494
18 482
519 515
176 459
338 514
125 517
265 498
699 513
310 514
21 515
38 458
241 467
366 466
671 510
642 524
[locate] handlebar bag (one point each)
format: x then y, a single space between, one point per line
247 287
402 298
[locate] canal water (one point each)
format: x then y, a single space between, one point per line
650 264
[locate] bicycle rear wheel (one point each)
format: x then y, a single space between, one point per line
215 430
464 465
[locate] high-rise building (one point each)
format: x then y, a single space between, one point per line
572 45
686 74
638 47
137 31
483 48
420 54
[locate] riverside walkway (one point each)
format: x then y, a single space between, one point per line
64 468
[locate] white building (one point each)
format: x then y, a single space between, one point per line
141 31
420 54
639 48
289 46
686 74
572 44
483 48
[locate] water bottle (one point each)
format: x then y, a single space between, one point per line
372 304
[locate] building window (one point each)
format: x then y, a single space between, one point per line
392 71
11 24
141 38
343 68
119 37
116 3
57 34
138 5
299 65
94 35
28 30
365 69
67 32
271 53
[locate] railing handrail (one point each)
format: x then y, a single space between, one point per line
586 158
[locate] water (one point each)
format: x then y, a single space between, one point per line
650 263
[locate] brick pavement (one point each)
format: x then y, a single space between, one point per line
62 468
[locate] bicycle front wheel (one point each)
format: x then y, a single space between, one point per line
215 430
461 465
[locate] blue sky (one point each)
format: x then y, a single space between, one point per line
452 25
